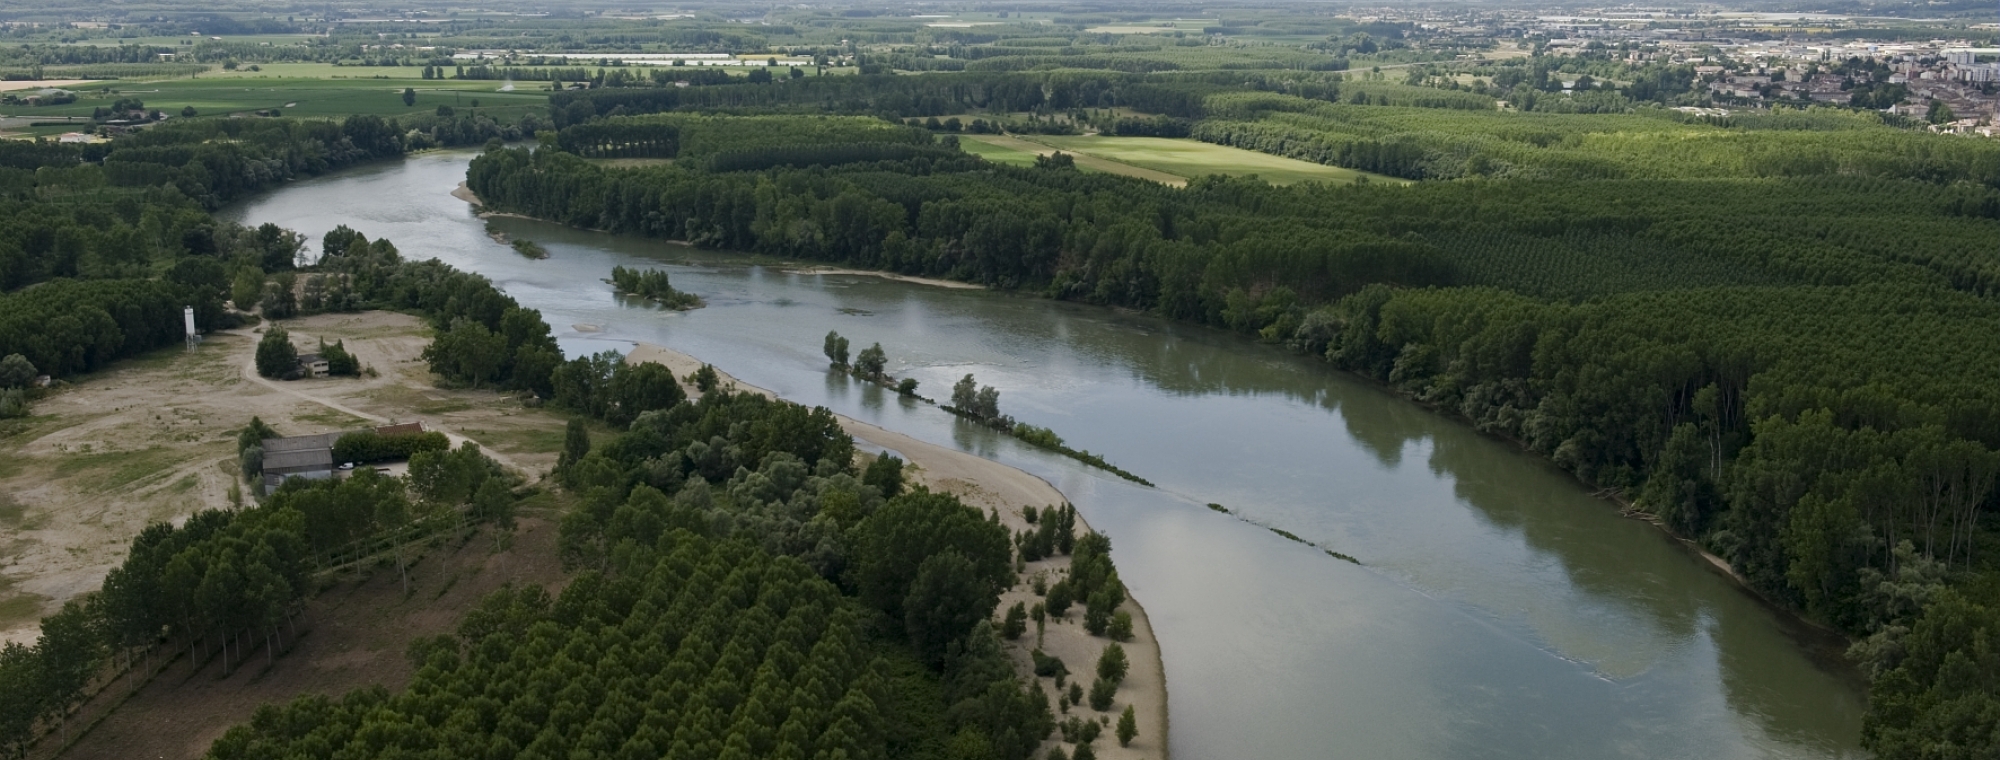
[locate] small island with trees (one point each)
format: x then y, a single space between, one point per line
653 285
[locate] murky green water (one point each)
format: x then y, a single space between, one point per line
1501 612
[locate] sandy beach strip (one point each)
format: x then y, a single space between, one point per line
1007 491
931 281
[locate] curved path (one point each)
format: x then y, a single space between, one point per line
250 374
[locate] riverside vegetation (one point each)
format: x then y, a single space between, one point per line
898 662
1770 331
1744 344
968 400
653 285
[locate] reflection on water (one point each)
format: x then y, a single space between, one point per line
1500 612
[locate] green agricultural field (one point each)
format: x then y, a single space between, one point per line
1191 158
1084 162
1156 26
995 153
220 95
189 39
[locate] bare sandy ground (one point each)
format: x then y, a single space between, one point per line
1007 491
154 439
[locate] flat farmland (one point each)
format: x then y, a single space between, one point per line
1014 150
1193 158
214 95
999 154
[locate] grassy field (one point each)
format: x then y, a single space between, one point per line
1013 150
996 153
1192 158
1160 26
235 92
179 40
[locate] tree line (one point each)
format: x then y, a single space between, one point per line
1748 345
774 602
226 583
653 285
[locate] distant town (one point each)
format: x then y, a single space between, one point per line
1757 60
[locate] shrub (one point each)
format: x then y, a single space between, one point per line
886 474
16 371
705 379
1121 626
339 362
1016 622
1111 665
1047 665
1059 598
276 356
370 446
13 403
1101 692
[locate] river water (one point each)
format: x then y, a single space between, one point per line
1499 611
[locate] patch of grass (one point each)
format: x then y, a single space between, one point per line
19 607
1193 158
1084 161
444 406
309 91
12 513
332 418
113 470
522 439
995 153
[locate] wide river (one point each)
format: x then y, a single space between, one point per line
1499 611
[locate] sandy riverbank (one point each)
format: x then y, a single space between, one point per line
1007 491
934 282
465 194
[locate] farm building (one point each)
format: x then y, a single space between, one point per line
313 365
299 456
311 456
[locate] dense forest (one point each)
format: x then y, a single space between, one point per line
102 247
1745 342
227 583
116 238
790 610
1770 331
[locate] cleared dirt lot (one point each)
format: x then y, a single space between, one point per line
154 439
